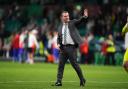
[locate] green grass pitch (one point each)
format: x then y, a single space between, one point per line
42 76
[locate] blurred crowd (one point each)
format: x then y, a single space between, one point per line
103 42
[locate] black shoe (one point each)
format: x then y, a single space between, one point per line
58 84
82 82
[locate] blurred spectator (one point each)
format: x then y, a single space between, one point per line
84 48
110 59
32 45
7 47
91 42
50 56
15 46
101 51
22 45
104 50
55 49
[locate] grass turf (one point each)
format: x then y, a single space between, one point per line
42 76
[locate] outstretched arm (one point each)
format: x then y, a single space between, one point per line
85 16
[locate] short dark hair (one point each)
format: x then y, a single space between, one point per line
64 12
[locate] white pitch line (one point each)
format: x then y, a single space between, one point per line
100 82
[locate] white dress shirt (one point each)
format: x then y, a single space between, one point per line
69 40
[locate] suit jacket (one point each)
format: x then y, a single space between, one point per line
73 31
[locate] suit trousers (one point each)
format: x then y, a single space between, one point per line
68 52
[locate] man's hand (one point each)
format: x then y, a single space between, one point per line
86 12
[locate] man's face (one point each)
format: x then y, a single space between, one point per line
65 17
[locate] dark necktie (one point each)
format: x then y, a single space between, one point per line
65 33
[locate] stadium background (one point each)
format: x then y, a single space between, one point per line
105 17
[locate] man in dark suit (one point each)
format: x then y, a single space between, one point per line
68 41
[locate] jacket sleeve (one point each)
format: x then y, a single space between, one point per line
81 19
59 39
59 36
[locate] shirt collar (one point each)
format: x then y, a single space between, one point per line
65 23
